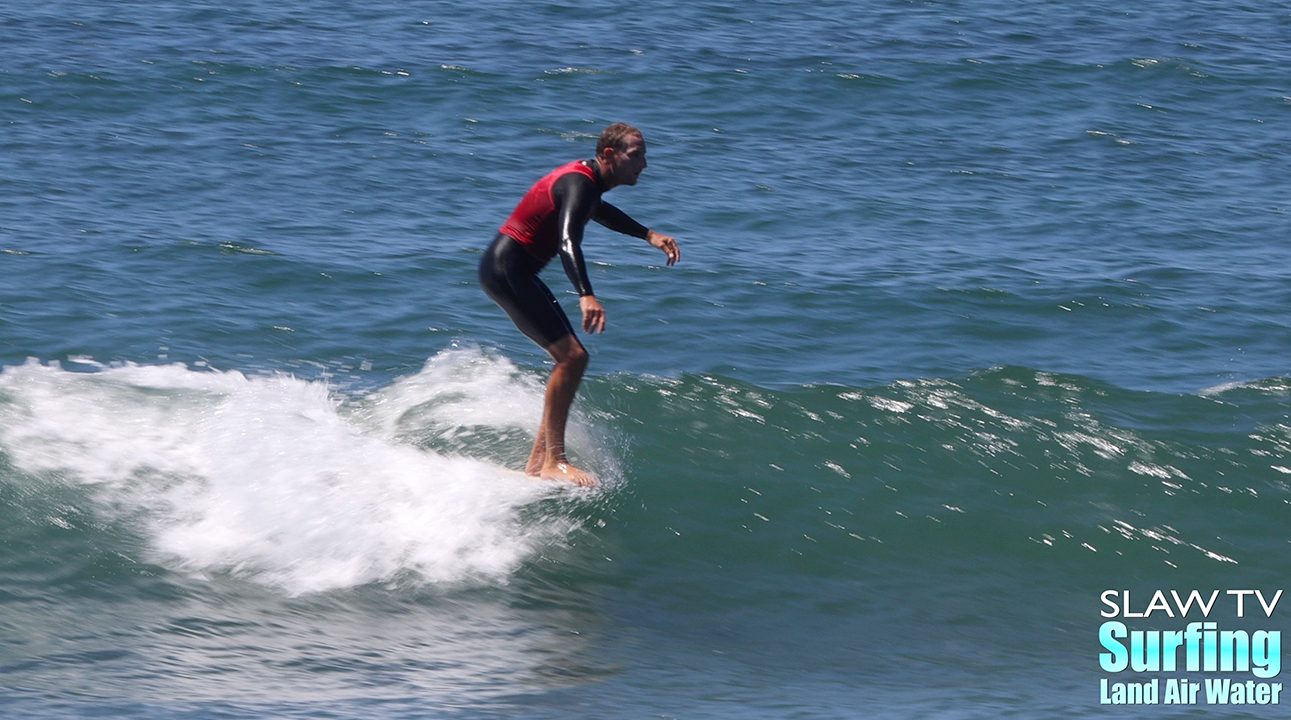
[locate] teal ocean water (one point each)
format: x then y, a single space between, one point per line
982 312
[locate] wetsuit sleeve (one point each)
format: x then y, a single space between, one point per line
618 221
576 198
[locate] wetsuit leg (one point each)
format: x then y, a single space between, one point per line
509 276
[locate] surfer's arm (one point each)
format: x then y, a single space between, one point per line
576 198
619 221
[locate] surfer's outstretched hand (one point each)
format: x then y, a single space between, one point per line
593 314
665 243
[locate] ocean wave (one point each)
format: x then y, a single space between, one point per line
282 481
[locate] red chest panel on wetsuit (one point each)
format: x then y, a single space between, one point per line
534 223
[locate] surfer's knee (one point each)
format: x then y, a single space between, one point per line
569 352
577 356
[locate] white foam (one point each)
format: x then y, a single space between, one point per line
1220 389
278 480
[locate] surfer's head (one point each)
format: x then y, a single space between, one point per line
621 154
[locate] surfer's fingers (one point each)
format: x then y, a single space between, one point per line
594 320
672 251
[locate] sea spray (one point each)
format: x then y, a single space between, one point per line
277 479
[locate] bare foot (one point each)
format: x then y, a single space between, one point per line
568 473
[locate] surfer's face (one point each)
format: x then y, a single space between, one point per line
623 167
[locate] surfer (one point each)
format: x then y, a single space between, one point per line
549 221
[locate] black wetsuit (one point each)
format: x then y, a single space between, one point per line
509 269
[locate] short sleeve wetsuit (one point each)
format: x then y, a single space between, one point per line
548 221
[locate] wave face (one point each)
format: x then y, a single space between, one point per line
270 528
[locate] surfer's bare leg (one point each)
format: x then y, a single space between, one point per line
538 456
547 460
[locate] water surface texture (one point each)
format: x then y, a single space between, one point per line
981 313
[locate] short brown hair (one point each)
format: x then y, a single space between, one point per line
616 136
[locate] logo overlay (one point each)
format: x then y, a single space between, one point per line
1210 664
